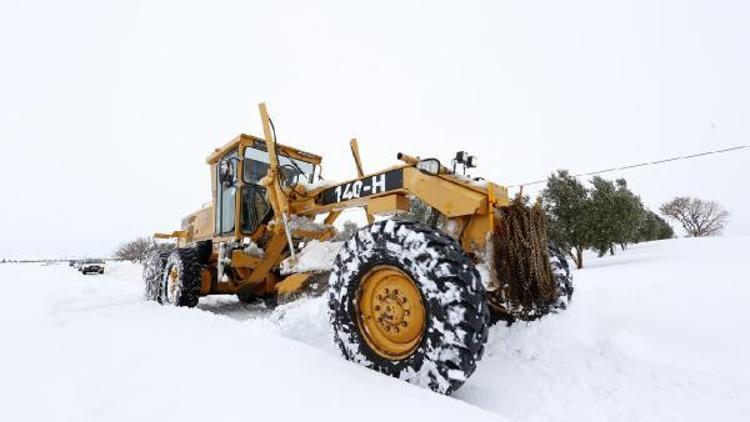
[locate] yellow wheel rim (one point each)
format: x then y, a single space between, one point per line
391 314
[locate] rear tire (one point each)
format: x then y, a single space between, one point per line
454 316
563 278
563 282
153 275
181 284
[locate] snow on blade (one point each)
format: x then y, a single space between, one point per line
316 256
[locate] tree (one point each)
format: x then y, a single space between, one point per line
699 218
139 249
616 214
602 220
653 227
568 208
631 213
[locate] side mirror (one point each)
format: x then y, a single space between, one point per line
429 166
226 173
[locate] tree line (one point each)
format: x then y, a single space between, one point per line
607 215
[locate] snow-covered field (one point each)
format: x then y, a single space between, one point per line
658 332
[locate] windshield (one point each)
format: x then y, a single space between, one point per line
257 162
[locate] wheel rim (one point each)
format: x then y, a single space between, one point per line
391 313
173 279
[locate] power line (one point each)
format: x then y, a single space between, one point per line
644 164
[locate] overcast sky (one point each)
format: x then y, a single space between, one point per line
109 109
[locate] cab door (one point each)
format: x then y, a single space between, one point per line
226 194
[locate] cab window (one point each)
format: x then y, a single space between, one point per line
257 163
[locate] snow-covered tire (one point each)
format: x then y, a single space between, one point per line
563 278
456 316
181 282
153 275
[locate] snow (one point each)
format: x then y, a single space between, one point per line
300 222
253 249
89 348
315 256
318 184
658 332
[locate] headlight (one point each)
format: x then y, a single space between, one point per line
430 166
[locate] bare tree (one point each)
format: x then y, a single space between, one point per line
138 250
699 218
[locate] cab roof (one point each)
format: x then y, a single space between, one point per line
254 141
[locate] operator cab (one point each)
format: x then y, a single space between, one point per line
255 209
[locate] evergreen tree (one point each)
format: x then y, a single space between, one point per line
620 218
663 229
629 213
603 219
653 227
617 214
568 208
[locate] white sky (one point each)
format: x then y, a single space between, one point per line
108 110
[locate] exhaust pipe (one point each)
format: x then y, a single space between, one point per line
408 159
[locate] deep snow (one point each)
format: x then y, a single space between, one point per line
658 332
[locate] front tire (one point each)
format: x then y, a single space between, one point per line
182 278
405 300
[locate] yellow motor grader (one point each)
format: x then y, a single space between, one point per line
409 297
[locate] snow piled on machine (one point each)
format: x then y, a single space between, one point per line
658 332
300 222
315 256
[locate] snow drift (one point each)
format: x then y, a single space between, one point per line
658 332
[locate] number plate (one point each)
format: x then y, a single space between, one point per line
370 185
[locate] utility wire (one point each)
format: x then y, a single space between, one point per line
647 163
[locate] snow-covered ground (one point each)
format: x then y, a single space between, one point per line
658 332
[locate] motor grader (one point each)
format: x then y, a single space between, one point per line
409 297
